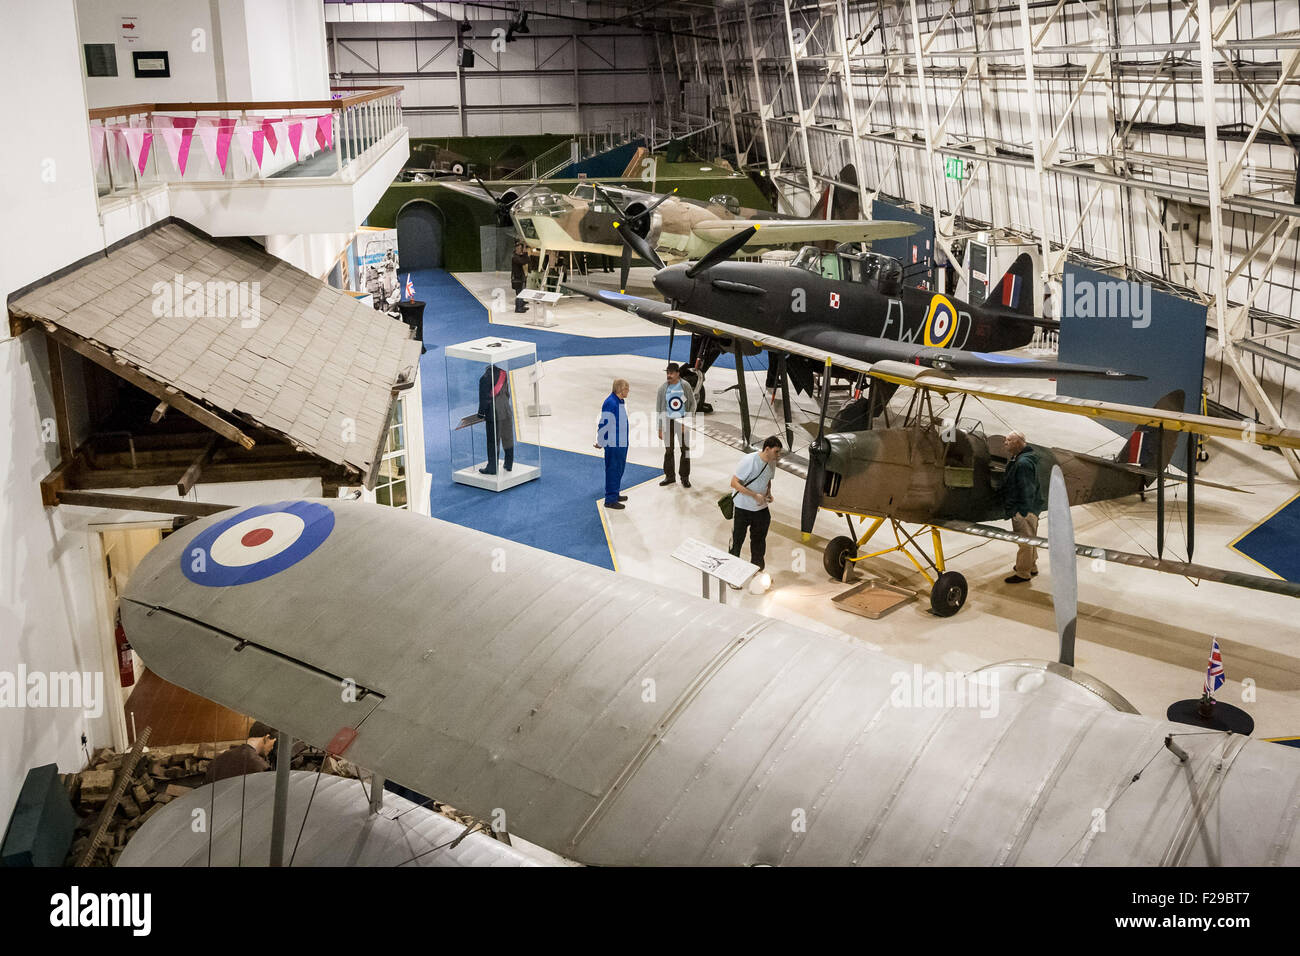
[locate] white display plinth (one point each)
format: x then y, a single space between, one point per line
501 480
484 377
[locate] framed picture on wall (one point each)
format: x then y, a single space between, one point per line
151 64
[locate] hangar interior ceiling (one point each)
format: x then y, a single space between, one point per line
1117 134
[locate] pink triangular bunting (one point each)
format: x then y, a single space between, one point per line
295 138
325 130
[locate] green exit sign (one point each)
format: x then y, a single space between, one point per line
954 167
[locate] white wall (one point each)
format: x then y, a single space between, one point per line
177 26
286 50
314 253
250 50
47 194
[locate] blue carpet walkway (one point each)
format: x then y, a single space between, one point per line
559 511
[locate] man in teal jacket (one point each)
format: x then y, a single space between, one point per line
1023 501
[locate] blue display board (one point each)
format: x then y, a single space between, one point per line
912 251
1131 327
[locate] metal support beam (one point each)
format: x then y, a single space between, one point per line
280 808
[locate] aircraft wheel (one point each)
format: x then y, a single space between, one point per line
836 555
948 594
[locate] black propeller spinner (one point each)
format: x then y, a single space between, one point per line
633 226
505 202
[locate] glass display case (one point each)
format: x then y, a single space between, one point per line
495 442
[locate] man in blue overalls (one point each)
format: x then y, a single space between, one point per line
612 436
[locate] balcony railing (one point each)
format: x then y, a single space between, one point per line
147 144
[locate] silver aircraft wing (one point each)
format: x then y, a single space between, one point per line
620 722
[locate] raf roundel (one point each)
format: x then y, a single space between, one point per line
676 403
256 543
941 322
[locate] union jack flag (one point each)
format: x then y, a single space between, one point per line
410 287
1214 677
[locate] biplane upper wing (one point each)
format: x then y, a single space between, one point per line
1198 571
939 380
781 231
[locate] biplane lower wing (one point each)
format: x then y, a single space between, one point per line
1197 571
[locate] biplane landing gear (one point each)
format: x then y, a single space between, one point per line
839 555
948 589
948 594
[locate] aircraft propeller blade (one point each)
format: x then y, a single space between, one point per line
484 187
818 452
1065 579
638 244
722 251
624 266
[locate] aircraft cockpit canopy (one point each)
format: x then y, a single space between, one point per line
542 202
729 203
850 262
858 264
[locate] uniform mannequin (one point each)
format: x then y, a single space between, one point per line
494 405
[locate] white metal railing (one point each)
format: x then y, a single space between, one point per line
148 144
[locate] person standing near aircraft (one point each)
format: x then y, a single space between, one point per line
612 436
518 273
673 404
752 484
1024 500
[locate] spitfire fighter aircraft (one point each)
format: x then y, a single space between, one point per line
590 218
521 699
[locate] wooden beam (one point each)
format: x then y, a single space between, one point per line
373 474
159 412
61 422
96 478
62 477
171 396
95 499
192 473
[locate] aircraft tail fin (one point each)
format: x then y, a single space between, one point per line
1141 447
1014 292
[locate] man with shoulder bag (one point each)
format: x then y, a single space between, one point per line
751 494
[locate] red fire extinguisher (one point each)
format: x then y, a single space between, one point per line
125 663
